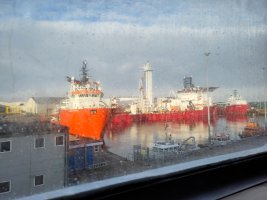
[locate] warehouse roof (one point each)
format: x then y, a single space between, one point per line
47 100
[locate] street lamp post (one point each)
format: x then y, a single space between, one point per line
265 97
208 101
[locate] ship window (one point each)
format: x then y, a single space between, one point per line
60 140
93 112
5 187
5 146
38 180
39 142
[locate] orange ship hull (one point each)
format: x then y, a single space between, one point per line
86 122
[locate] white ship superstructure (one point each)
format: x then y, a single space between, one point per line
236 99
190 97
84 111
236 105
84 93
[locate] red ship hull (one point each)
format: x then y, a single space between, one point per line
125 119
86 122
236 109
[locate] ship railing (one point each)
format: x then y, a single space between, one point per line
98 165
151 155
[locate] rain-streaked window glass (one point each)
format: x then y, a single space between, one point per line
4 187
39 142
38 180
5 146
113 87
59 140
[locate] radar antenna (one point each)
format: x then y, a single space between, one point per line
84 74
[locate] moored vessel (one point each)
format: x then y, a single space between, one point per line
252 128
167 145
236 105
84 111
189 104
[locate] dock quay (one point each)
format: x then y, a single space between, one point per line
119 166
107 164
115 166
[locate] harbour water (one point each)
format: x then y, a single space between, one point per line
121 141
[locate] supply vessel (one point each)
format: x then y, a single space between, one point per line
190 104
84 111
236 106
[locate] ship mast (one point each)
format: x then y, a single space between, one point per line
84 74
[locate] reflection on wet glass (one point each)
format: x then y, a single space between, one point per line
66 160
126 123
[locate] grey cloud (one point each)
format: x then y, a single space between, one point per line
44 52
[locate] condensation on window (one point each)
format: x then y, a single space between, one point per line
92 90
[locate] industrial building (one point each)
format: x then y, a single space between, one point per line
41 105
33 159
11 107
2 109
34 105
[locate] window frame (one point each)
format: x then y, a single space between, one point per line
35 143
9 181
10 146
34 180
63 144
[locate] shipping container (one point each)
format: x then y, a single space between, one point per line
76 159
89 156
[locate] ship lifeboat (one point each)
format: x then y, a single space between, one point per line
252 129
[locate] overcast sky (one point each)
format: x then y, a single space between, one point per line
42 42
